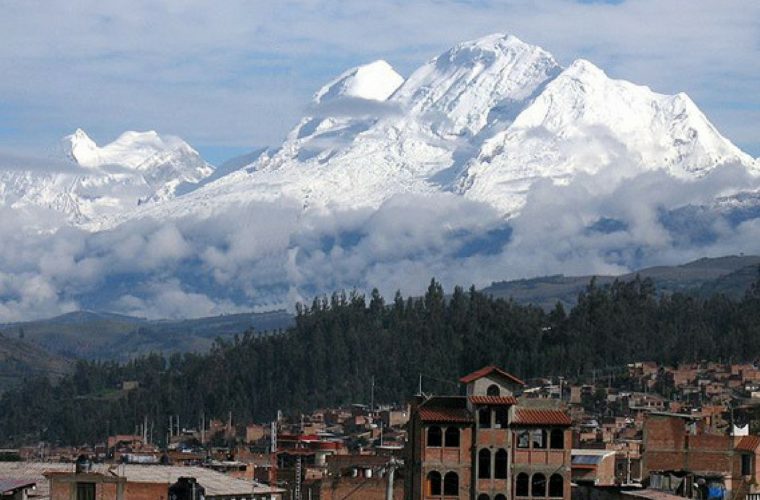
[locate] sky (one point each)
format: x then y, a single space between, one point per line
232 76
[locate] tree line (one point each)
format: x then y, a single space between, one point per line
340 343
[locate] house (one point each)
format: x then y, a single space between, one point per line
594 467
487 445
16 489
86 481
679 453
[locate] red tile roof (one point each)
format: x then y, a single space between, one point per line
541 416
748 443
487 371
493 400
455 415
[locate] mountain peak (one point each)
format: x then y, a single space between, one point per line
584 69
375 81
476 82
78 146
494 42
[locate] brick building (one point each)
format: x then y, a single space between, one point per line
680 446
145 482
488 445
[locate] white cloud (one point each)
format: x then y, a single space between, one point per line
270 254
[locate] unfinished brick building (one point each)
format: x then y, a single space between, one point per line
487 444
679 452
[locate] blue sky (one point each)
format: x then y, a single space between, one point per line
231 76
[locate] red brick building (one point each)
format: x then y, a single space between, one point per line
682 444
488 445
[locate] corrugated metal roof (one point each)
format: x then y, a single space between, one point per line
215 483
541 416
488 370
493 400
11 485
748 443
587 459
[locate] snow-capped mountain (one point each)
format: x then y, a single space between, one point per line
490 161
95 182
485 120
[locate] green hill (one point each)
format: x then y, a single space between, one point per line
104 336
20 359
730 275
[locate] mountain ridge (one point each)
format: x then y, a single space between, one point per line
484 120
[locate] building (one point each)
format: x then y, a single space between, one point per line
16 489
487 444
679 455
145 482
594 467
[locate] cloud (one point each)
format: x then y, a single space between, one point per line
265 255
13 161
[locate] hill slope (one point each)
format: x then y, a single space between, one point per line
105 336
20 359
730 275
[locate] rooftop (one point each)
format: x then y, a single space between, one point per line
489 370
541 416
445 409
214 482
493 400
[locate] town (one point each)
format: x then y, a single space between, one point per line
641 430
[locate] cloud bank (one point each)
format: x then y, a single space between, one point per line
267 255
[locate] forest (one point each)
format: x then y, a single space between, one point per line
340 343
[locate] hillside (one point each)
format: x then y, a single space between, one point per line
92 335
20 359
730 275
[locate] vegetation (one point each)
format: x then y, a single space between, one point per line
338 344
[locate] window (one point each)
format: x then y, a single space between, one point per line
556 486
500 464
484 418
502 418
538 485
452 437
483 496
538 438
85 491
493 390
451 484
523 439
499 497
746 465
521 485
433 483
434 437
557 439
484 464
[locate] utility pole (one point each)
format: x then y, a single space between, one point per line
203 428
372 396
392 464
273 452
